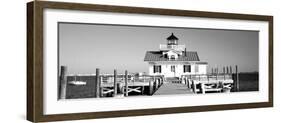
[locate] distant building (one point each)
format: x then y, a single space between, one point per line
172 60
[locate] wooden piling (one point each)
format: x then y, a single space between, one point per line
100 83
156 84
142 90
194 87
217 72
97 83
202 85
115 83
151 87
126 83
223 73
237 78
188 83
227 70
63 82
230 69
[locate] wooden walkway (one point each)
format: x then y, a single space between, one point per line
173 88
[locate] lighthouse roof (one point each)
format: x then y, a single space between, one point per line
158 56
172 37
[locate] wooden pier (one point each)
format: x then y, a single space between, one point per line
214 82
173 88
122 85
105 85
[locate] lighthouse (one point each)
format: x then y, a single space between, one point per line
173 60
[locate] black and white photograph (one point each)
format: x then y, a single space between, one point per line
120 61
90 61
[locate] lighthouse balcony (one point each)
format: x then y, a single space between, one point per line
165 47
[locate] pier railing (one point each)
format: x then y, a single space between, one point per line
168 47
220 82
111 85
125 84
208 77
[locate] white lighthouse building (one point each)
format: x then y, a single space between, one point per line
172 60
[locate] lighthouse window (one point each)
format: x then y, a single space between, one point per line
157 69
196 68
186 68
173 57
173 68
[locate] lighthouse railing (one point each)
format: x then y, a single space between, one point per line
169 47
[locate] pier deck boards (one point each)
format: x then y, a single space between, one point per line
173 88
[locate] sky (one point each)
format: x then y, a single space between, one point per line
85 47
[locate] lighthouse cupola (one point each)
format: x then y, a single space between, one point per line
172 40
172 44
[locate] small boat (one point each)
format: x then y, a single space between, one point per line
75 82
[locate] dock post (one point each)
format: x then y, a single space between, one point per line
237 78
63 82
187 82
217 72
115 83
97 83
150 87
156 83
229 73
202 88
193 86
227 70
100 83
126 83
223 73
230 69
